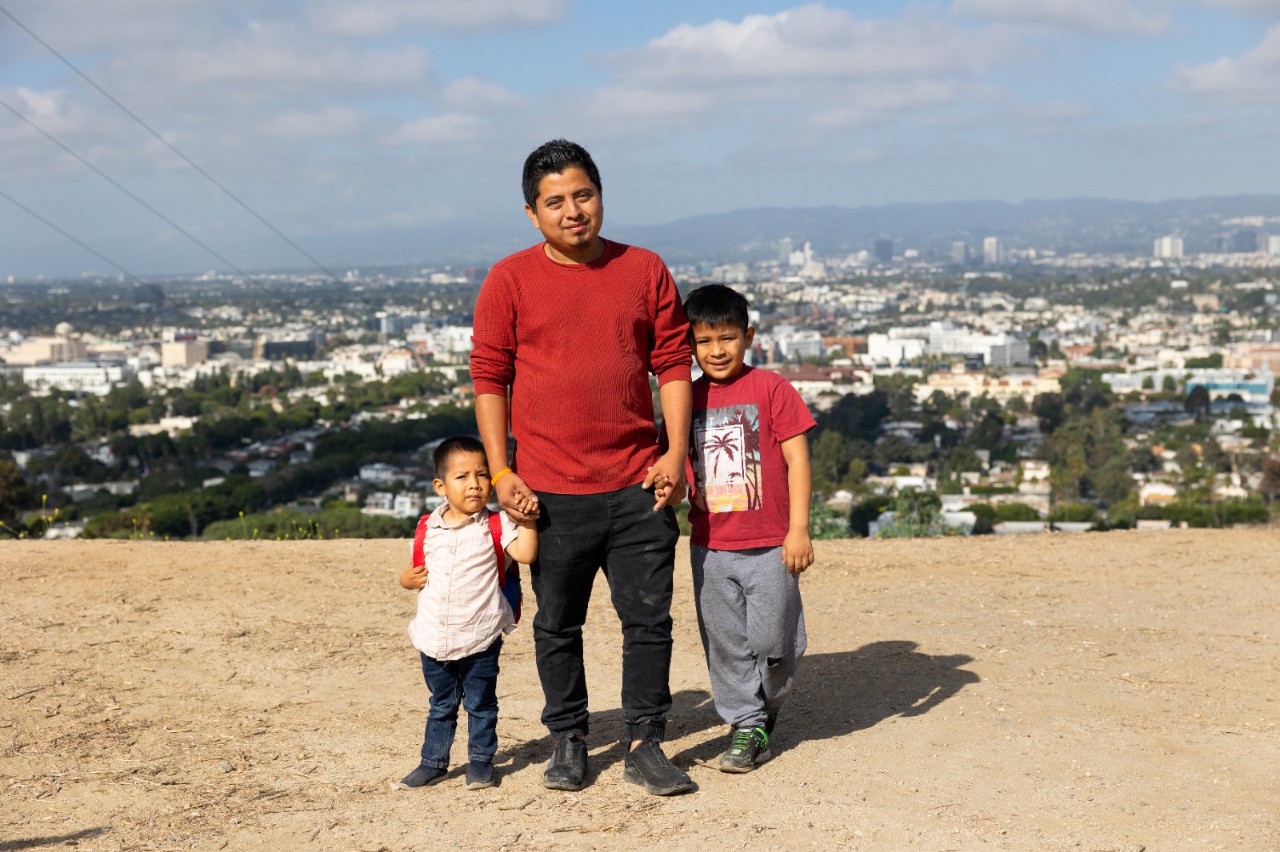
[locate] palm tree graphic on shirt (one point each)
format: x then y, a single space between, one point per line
718 446
727 457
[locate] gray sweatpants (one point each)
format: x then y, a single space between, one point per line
752 625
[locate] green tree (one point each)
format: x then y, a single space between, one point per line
1269 486
835 463
1197 402
15 494
916 514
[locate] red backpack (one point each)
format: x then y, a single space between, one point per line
508 575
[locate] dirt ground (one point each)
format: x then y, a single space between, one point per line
1102 691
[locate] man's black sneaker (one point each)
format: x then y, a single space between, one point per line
748 748
479 774
648 766
567 768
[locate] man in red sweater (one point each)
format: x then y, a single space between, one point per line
566 335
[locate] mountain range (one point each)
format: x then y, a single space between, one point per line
1090 225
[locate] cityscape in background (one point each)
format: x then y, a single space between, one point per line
1020 387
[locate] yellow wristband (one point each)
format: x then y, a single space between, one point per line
501 474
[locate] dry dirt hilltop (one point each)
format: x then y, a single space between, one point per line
1100 691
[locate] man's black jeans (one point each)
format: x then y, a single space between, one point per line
619 532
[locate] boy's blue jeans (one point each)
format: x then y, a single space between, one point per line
578 534
471 682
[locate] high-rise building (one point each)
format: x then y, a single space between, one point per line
960 252
992 251
1244 242
883 251
1273 244
1167 247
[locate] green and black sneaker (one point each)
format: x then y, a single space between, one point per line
748 749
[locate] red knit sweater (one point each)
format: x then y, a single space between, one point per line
576 344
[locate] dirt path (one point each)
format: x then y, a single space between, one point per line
1112 691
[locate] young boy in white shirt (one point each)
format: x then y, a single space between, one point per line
462 613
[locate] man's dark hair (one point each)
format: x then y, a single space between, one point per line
451 446
716 305
552 158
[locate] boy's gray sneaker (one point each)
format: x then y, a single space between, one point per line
648 766
567 768
748 749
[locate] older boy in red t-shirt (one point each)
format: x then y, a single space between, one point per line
750 517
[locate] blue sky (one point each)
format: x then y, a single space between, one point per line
375 132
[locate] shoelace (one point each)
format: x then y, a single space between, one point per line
744 737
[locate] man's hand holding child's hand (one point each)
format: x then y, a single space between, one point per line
516 498
666 478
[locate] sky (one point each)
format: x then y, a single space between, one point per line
143 137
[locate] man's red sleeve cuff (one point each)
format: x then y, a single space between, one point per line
682 373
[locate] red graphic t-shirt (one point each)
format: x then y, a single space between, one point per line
737 471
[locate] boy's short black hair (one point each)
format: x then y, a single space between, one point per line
452 446
716 305
552 158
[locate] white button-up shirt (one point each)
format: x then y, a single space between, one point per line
461 610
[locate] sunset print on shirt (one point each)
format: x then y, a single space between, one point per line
726 465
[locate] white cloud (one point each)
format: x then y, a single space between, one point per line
334 121
813 42
365 20
1054 118
476 95
262 64
868 104
811 66
447 129
1249 79
1250 7
1092 17
71 26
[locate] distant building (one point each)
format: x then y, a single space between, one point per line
277 349
883 251
992 251
1243 242
95 377
64 346
960 253
731 273
1167 248
184 353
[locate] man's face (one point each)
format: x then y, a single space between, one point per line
569 212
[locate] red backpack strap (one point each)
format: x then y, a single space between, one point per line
419 537
495 529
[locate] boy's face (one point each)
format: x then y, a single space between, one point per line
568 211
464 482
721 349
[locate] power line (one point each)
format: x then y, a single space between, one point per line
109 179
170 146
16 203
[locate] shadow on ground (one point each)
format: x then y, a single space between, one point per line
691 713
58 840
839 693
